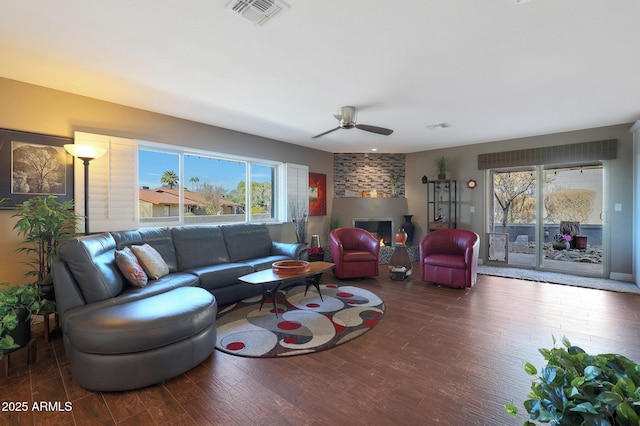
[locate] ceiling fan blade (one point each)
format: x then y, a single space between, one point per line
374 129
324 133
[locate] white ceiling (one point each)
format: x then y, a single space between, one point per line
492 69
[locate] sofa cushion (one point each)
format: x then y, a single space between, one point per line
216 276
199 246
153 264
358 256
130 267
161 285
264 262
92 262
143 324
131 294
247 241
446 261
158 238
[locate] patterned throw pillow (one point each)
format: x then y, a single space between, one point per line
152 263
130 267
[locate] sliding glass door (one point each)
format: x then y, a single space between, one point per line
573 219
551 216
514 212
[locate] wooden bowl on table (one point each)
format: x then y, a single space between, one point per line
290 267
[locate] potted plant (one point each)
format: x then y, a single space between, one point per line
44 223
442 166
300 219
561 241
17 304
576 388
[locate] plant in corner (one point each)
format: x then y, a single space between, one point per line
442 166
17 304
576 388
44 223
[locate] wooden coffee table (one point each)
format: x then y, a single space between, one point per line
310 277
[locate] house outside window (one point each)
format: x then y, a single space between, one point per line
204 187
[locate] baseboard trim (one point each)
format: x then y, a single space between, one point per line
621 277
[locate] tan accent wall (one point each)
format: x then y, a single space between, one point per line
36 109
30 108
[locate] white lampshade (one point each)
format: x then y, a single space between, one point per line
84 151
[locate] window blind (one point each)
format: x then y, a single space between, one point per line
113 195
297 188
571 153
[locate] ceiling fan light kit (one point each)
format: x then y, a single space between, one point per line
347 117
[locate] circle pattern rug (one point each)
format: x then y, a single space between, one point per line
304 324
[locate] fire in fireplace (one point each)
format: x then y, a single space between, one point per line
381 228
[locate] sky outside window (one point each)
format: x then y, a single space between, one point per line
224 173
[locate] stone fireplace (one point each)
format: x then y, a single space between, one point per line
380 216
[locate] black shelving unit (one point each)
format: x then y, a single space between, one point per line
442 204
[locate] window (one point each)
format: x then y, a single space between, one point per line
138 183
262 194
204 187
159 193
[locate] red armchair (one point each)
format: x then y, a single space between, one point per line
450 257
355 252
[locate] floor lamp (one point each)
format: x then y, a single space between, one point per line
86 153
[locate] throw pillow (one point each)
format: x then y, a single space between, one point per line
152 263
130 267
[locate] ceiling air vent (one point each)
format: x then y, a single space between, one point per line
257 11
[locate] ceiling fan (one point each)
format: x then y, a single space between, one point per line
347 117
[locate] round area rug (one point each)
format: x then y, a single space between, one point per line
304 324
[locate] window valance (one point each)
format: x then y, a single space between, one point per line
571 153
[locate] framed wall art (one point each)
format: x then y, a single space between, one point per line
317 194
33 164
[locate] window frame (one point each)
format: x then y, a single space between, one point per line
278 188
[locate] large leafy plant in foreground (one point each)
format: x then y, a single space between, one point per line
576 388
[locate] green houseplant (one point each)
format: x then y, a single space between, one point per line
442 166
576 388
17 304
43 223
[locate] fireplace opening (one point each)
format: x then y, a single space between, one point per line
381 228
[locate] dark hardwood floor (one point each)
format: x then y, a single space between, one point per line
439 356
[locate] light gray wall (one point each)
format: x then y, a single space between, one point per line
465 167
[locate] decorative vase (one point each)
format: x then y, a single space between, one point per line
401 237
409 228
